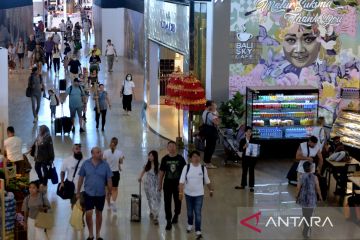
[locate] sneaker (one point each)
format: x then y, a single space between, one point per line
251 189
210 166
156 221
151 215
110 206
189 228
168 226
114 208
82 130
239 187
175 219
198 235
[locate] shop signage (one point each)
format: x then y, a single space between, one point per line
168 24
244 47
303 12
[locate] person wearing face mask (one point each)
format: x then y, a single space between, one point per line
70 167
127 93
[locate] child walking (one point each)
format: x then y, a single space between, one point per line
54 102
151 185
33 204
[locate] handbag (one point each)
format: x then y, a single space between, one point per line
44 220
53 174
67 192
28 92
76 219
206 130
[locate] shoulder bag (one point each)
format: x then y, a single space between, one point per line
206 130
45 219
67 192
53 174
28 89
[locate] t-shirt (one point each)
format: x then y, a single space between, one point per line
68 166
62 27
128 86
31 45
56 39
13 146
95 59
110 50
20 47
311 153
96 177
172 167
102 100
113 158
74 66
194 180
31 205
75 96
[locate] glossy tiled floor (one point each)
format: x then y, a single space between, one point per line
219 213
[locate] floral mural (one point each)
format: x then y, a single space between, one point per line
303 43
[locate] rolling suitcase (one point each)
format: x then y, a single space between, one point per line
62 85
136 206
66 124
58 126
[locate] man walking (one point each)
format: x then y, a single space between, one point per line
12 150
170 172
96 174
49 46
76 97
30 46
110 54
70 167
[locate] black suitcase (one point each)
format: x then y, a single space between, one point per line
62 85
66 124
136 206
58 126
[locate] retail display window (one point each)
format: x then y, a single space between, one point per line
288 113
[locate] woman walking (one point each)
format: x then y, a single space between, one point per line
102 100
33 204
127 93
20 51
43 150
56 57
151 185
307 191
36 86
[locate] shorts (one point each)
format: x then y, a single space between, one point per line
21 55
73 200
92 202
77 110
115 179
29 54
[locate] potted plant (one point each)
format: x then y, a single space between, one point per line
232 112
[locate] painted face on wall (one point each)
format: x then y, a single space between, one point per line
300 46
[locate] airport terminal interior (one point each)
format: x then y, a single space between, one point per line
243 114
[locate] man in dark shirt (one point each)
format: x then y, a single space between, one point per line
75 68
30 47
170 171
49 46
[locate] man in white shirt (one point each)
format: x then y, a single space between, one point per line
110 54
62 28
193 178
114 158
69 166
309 151
13 149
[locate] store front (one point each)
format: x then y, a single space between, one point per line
295 44
175 42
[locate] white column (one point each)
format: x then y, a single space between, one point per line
154 57
4 78
113 27
209 46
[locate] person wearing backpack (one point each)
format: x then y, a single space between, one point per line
76 102
192 181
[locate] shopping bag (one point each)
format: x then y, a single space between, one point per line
53 175
44 220
76 219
